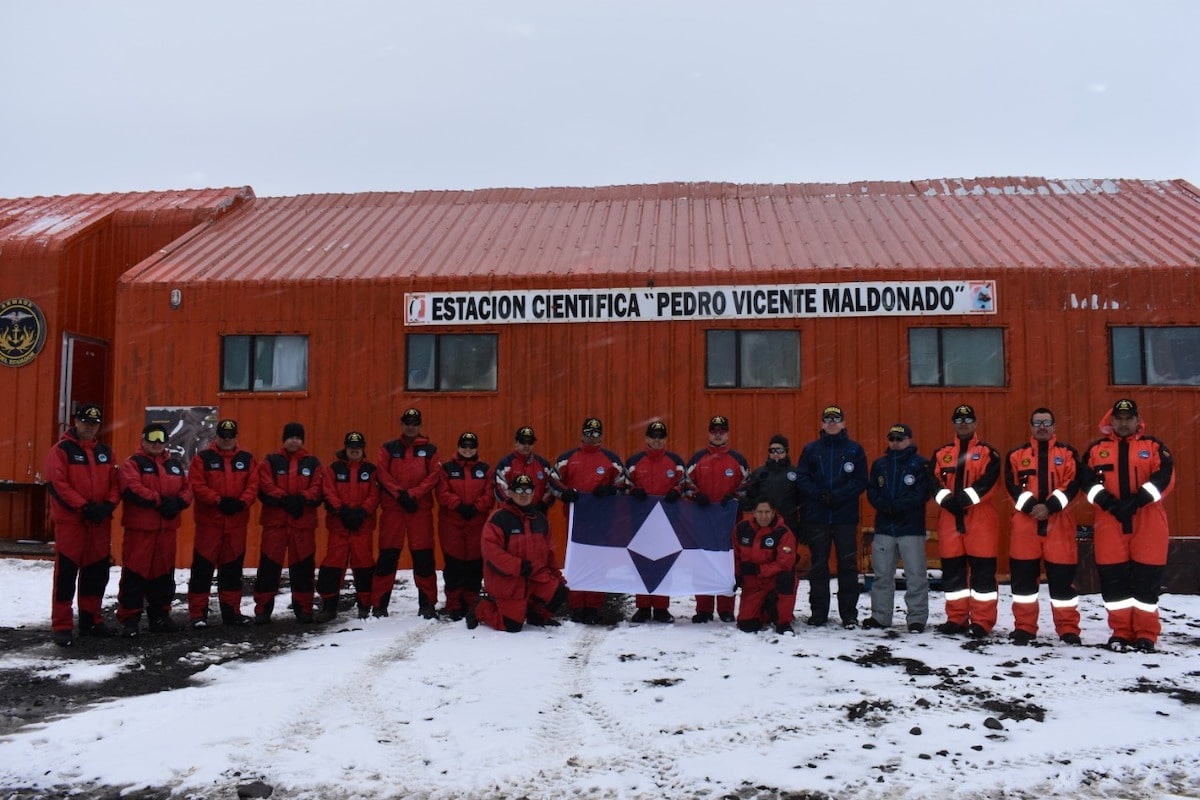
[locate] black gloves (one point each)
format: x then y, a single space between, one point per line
352 518
638 493
604 491
407 502
1105 501
953 504
170 507
826 499
526 569
230 505
671 496
466 510
293 504
701 499
97 512
570 495
749 568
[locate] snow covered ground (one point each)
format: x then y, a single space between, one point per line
403 707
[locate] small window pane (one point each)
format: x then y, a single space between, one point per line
973 357
235 363
1173 356
721 360
290 363
923 357
1127 356
769 359
419 362
467 362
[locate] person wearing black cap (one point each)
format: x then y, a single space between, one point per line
224 480
1042 477
716 473
351 490
775 480
464 494
523 461
596 470
155 490
898 490
655 471
520 572
832 475
81 478
289 488
1127 473
409 467
964 475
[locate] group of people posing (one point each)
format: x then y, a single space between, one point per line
499 564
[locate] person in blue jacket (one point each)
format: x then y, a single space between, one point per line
831 474
898 490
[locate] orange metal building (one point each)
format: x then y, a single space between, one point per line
1052 279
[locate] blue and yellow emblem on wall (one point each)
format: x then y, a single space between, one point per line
22 332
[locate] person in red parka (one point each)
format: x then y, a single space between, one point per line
659 472
716 474
764 561
1127 474
1042 477
224 480
81 477
964 474
289 488
588 468
351 490
521 580
408 474
464 493
155 490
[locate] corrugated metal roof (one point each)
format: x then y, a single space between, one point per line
62 216
676 232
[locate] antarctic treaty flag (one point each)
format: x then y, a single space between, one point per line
622 544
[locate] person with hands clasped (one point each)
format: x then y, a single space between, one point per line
408 474
464 493
659 472
764 563
1127 473
289 488
224 480
832 475
716 473
1042 477
351 493
898 489
964 474
155 491
594 469
521 580
81 479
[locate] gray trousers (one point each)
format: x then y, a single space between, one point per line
884 552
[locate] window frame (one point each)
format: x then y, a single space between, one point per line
439 341
253 340
940 332
1141 352
739 367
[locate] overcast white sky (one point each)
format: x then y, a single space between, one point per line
295 96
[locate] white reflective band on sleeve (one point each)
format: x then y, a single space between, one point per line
1025 598
1062 498
1072 603
1022 499
1119 605
1153 490
961 594
971 493
942 495
985 597
1150 608
1095 490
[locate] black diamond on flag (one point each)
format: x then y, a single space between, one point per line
653 571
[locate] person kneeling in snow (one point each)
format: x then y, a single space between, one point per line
521 582
764 561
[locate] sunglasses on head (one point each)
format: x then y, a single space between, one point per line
1042 423
964 420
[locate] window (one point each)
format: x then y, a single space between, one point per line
1156 356
264 363
956 357
752 360
451 362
